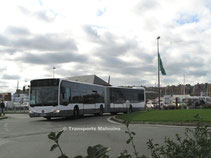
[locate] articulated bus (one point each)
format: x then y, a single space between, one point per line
57 97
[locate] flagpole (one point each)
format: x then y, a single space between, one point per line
158 71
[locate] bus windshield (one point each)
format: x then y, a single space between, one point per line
44 93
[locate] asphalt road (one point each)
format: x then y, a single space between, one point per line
24 137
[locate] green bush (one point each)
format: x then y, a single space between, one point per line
195 144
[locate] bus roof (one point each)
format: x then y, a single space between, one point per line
65 79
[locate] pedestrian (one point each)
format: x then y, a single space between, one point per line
2 105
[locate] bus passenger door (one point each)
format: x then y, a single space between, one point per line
76 100
89 105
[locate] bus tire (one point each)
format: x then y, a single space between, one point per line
76 113
113 113
101 110
130 109
100 113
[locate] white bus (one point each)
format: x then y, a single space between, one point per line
64 98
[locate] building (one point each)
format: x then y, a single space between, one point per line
203 89
93 79
5 96
150 95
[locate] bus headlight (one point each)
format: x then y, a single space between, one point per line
30 111
57 111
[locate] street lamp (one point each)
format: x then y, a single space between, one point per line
54 69
158 70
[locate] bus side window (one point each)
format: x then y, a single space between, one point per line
65 95
140 96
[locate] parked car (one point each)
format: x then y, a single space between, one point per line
169 106
156 105
182 105
25 106
149 104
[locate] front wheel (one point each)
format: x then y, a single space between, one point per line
76 113
101 111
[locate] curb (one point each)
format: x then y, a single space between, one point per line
5 117
160 123
16 112
117 120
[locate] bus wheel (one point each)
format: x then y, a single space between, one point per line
130 109
101 111
76 113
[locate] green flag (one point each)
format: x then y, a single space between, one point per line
160 65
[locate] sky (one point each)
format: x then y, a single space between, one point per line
105 37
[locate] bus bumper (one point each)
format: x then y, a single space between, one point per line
52 114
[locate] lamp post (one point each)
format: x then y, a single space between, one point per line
158 71
54 71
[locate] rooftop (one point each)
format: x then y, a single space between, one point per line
93 79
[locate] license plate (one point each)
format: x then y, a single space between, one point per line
42 114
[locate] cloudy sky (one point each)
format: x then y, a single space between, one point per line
105 37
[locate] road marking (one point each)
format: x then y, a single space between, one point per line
3 141
174 126
111 121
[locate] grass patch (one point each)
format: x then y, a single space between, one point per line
168 115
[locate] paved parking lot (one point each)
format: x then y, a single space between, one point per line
24 137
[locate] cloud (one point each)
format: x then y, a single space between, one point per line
46 15
24 10
4 86
76 69
114 46
91 32
107 37
2 69
3 40
46 42
197 72
40 2
10 51
114 53
10 77
185 19
17 30
184 65
119 55
100 12
146 5
51 58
